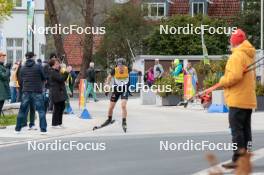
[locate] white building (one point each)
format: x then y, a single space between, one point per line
14 31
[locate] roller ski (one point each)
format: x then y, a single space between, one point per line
106 123
124 125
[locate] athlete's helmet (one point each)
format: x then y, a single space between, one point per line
120 61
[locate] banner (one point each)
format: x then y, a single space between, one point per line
189 86
30 22
82 91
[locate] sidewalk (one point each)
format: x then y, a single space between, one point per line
141 120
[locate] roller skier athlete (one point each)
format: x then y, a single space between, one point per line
120 77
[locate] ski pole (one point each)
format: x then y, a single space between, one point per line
254 63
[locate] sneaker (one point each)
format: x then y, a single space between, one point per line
32 128
60 127
55 127
17 132
96 100
230 165
43 133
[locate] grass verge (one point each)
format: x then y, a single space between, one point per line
8 120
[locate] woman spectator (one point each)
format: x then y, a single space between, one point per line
4 83
14 83
19 95
58 91
150 77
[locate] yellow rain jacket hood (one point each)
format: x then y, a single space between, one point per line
239 87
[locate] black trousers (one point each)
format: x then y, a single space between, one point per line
50 107
1 106
58 113
240 123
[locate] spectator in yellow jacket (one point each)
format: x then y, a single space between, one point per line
240 96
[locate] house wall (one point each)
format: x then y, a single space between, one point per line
16 27
219 8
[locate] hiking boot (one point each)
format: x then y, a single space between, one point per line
230 165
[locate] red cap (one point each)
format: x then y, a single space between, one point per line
237 37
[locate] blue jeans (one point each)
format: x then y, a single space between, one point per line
13 91
31 109
37 100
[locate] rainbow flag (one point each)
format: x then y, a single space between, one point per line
189 86
82 91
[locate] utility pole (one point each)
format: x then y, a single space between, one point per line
261 37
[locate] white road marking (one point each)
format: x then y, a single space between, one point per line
258 154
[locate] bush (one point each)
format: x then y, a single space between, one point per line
211 73
259 90
172 44
169 80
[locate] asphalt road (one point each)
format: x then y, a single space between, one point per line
124 155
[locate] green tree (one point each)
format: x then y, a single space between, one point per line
125 26
6 7
187 44
53 20
249 21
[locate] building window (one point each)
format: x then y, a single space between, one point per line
14 49
198 8
17 3
154 10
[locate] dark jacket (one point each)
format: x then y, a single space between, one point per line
46 70
90 75
32 77
57 86
4 83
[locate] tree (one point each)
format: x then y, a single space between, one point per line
125 30
249 21
88 39
6 7
53 19
187 44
